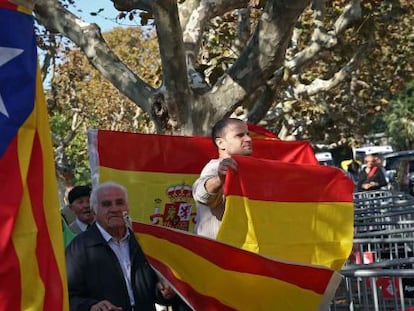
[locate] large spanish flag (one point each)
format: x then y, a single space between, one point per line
159 170
289 211
32 270
213 276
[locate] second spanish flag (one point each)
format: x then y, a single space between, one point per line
290 211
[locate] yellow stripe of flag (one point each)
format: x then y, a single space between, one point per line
146 187
312 233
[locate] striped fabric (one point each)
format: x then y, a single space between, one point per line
213 276
159 170
289 211
299 216
32 270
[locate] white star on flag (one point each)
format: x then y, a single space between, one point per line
7 54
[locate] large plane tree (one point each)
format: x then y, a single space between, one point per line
280 58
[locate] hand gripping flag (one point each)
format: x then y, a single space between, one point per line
289 211
32 271
213 276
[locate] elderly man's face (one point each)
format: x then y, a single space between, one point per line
112 204
82 209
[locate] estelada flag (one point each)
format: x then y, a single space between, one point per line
290 211
159 170
32 266
213 276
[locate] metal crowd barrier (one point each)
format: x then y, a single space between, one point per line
379 275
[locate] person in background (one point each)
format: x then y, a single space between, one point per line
231 137
371 177
78 198
106 267
353 171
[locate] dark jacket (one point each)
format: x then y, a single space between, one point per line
94 274
377 177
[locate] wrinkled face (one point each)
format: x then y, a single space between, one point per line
112 204
82 210
235 140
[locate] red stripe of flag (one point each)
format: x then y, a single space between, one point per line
289 182
10 196
48 268
7 5
154 153
286 151
183 154
306 277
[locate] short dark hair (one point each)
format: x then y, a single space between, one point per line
353 167
219 127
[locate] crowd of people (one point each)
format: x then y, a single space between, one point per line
106 267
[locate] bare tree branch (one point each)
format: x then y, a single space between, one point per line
262 106
322 39
351 13
89 38
243 28
194 16
319 85
186 9
200 15
46 63
173 60
264 53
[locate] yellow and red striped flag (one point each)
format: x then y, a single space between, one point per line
290 211
32 269
159 170
213 276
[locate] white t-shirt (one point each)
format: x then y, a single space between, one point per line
208 219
